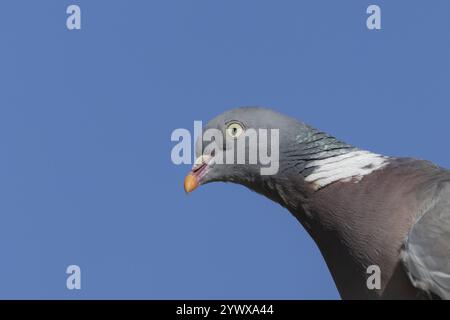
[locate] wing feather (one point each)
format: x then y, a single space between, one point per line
427 249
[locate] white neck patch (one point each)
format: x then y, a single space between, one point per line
347 167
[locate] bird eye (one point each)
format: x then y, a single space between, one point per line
234 129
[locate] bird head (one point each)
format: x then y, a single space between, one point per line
248 145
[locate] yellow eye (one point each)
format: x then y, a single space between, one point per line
234 129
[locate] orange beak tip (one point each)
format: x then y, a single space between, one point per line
190 183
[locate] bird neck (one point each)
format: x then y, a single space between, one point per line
320 159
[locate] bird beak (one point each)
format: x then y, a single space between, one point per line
200 168
190 183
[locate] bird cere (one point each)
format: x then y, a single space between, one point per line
362 209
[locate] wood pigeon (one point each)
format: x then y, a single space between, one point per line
362 209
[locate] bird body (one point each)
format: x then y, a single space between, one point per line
357 225
361 209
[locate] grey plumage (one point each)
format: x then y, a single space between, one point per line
427 249
361 209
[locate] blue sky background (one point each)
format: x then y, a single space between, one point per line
86 117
